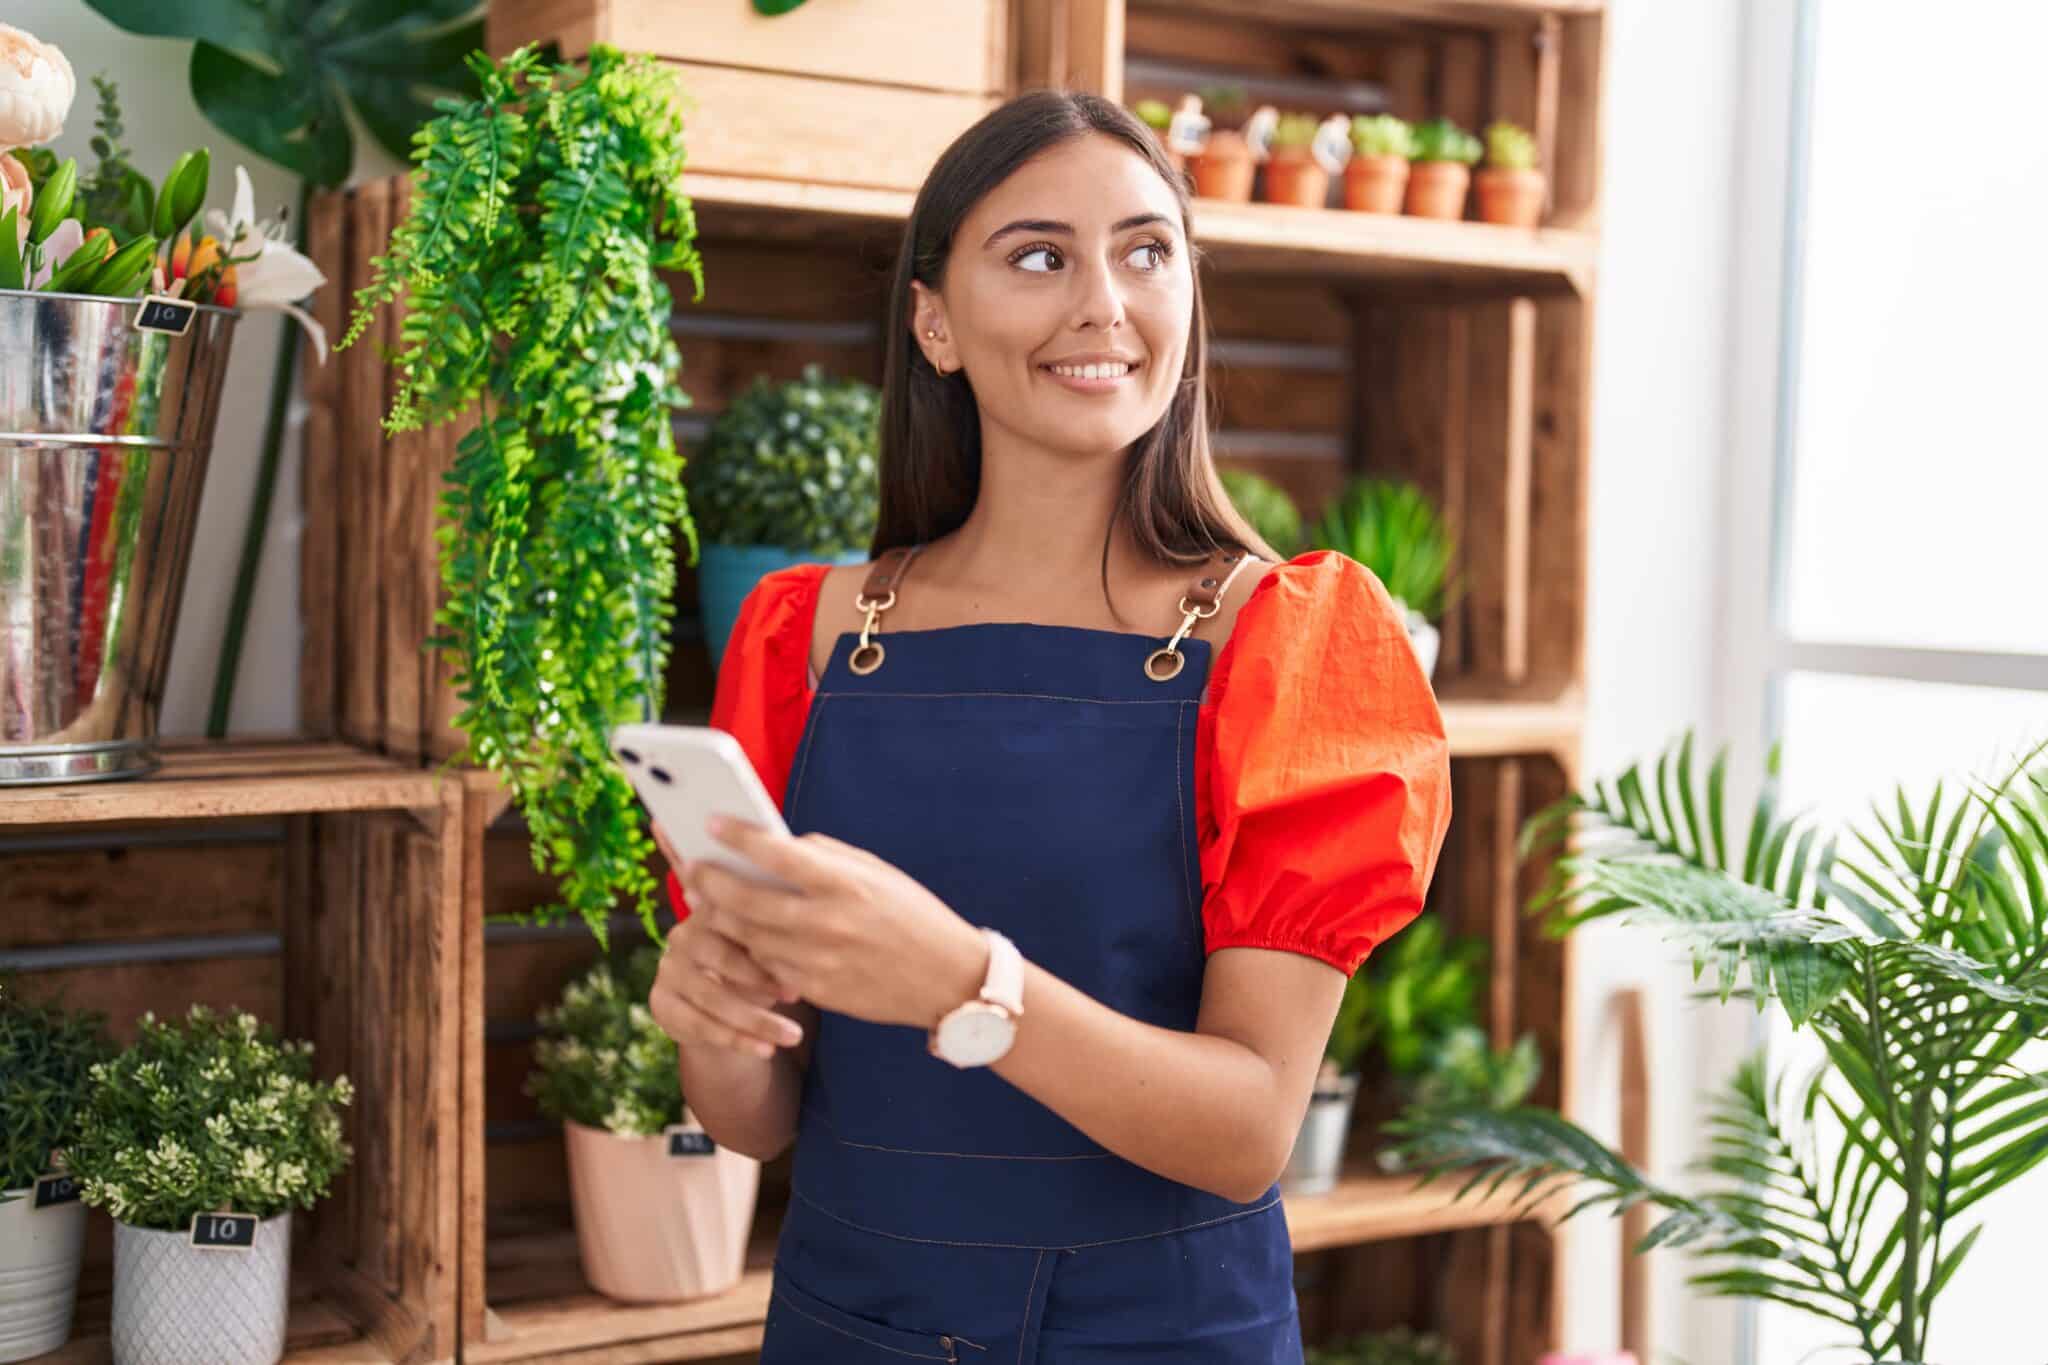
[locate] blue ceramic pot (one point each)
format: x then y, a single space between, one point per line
727 573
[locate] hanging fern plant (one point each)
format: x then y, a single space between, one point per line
543 214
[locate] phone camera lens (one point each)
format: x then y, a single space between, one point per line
660 775
629 755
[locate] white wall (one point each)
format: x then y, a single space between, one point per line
1659 435
161 121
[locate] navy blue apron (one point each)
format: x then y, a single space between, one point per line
1037 781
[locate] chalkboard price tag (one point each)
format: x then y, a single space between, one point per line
689 1140
160 313
53 1190
224 1231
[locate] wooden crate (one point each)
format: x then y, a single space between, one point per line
856 92
318 888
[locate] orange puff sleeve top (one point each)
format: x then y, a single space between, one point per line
1322 777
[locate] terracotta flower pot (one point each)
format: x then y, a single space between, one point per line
1436 189
655 1228
1510 198
1375 184
1223 168
1293 177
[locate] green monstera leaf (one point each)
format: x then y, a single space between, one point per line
279 76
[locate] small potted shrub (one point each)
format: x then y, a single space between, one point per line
785 475
1395 1346
200 1140
1224 167
1267 506
1376 177
1441 169
662 1213
1510 188
46 1055
1394 529
1294 175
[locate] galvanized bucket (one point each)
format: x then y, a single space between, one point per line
105 427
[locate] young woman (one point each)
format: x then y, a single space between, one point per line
1095 807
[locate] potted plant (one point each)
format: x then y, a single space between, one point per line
200 1139
1851 1186
1267 506
1376 177
786 474
1441 169
1394 529
562 513
662 1213
1395 1346
1158 116
1510 187
46 1055
1223 168
1293 173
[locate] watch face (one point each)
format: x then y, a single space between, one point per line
976 1035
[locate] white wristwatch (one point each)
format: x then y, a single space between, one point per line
980 1031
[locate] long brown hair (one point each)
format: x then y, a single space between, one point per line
930 468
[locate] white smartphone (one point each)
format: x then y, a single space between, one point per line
685 774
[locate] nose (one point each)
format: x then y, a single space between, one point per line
1098 302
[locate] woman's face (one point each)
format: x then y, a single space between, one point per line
1068 298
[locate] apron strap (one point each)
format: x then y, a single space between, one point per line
876 596
1198 603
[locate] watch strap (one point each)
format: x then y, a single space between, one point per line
1005 981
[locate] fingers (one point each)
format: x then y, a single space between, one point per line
732 964
797 860
692 1004
743 901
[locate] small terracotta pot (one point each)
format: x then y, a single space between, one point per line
1375 184
1511 198
1436 189
653 1228
1223 168
1295 178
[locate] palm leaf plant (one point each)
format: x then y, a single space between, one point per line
1915 950
544 217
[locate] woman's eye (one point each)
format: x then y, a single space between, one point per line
1051 254
1158 256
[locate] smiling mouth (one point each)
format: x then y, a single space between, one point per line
1104 371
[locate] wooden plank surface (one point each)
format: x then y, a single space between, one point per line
911 43
238 778
315 1334
1374 1208
364 398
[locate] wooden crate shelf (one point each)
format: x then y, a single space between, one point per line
1367 1207
238 779
317 1333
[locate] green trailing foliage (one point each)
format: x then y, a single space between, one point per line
1914 949
544 216
1395 530
46 1056
1267 506
793 464
1439 139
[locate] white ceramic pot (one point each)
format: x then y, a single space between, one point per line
39 1256
1318 1155
655 1228
1426 639
175 1304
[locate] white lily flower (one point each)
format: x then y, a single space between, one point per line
269 273
36 86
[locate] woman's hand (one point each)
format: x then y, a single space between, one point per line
858 936
709 990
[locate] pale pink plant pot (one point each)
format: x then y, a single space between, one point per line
655 1228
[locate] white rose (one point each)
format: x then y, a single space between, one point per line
36 86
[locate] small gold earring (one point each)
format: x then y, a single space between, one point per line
931 334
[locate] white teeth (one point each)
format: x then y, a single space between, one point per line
1116 370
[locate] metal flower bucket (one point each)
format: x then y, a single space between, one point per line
105 428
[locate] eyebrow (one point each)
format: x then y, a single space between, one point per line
1053 225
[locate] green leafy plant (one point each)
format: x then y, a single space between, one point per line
1464 1068
1382 135
543 216
1395 1346
1267 506
1225 104
207 1114
1509 147
282 76
793 464
1915 950
46 1055
602 1061
1439 139
116 196
1396 531
1416 990
1155 114
1295 132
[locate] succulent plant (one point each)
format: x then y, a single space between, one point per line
1382 135
791 464
1509 147
1295 132
1267 506
1156 114
1440 139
